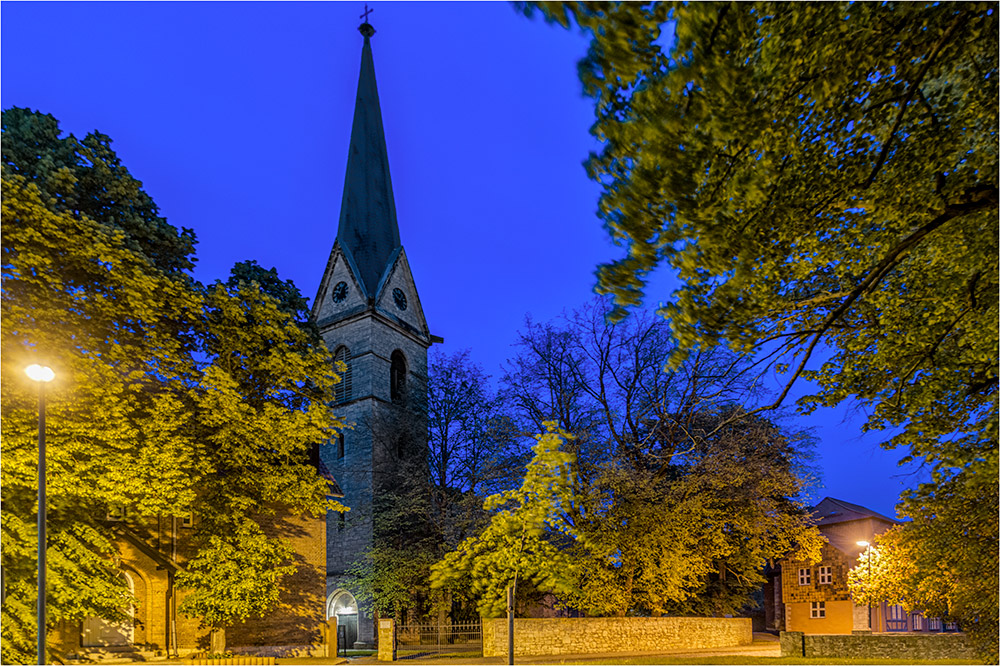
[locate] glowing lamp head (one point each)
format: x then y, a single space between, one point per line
40 373
863 544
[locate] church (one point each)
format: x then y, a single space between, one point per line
369 314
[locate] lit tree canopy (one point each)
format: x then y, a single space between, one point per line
823 179
168 396
818 174
522 539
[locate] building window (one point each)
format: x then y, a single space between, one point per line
817 609
934 624
825 575
804 577
397 376
342 390
918 622
187 519
341 521
950 626
340 446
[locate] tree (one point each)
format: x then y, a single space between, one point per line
168 394
521 540
87 179
681 495
117 431
473 446
264 401
822 177
290 299
934 564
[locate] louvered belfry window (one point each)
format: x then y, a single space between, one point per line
397 376
343 387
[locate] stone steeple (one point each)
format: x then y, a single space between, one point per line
368 232
370 317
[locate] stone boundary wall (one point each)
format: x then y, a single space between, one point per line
536 637
864 646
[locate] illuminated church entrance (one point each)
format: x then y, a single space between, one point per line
345 608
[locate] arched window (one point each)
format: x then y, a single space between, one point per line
343 387
397 376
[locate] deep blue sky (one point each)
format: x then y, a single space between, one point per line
237 116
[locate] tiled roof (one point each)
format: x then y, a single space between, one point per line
830 511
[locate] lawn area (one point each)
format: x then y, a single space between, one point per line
465 658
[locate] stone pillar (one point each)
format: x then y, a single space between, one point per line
217 640
387 639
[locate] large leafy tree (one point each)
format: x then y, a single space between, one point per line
262 405
167 395
823 178
681 494
117 432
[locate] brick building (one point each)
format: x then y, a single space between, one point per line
813 597
152 551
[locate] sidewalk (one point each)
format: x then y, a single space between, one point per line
764 646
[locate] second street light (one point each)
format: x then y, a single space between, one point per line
42 375
868 582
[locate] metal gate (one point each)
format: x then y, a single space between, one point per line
440 638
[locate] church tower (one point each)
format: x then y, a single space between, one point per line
369 315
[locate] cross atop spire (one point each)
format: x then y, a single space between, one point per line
366 28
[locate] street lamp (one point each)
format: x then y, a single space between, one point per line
865 544
42 375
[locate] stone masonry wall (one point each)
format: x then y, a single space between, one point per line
554 636
878 646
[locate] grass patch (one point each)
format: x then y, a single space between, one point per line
748 659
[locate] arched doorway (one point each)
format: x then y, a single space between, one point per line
98 632
343 605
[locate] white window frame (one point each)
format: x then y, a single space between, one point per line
817 610
826 575
805 576
917 622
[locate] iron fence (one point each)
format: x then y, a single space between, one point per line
440 637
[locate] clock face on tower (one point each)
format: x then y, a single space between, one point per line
340 292
400 298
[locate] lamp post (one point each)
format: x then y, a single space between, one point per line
867 546
42 375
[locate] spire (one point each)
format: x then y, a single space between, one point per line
368 229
